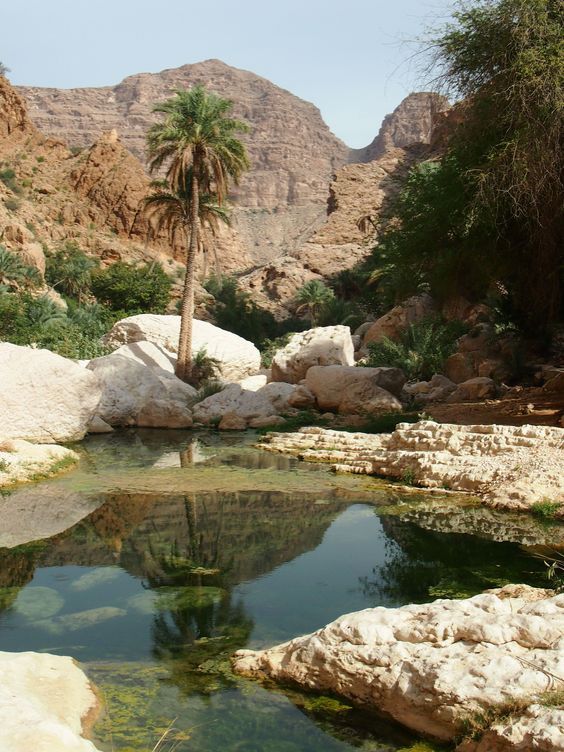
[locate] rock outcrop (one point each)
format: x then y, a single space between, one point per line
431 666
282 200
135 393
21 461
398 319
321 346
44 397
509 467
353 390
238 357
44 702
235 408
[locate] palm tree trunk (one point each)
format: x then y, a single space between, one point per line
184 362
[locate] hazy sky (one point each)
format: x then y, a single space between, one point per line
349 57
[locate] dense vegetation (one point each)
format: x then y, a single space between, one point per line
92 299
487 217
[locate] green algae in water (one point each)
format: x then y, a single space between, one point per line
195 596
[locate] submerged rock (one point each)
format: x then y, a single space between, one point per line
430 666
510 467
44 397
45 701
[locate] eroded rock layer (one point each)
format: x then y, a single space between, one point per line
432 666
511 467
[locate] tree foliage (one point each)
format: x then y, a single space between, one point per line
134 289
489 214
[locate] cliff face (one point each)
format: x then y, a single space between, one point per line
290 224
412 122
292 151
294 155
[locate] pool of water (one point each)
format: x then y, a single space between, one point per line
161 555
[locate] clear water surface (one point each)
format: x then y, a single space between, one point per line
163 554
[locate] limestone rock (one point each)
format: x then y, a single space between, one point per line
509 467
232 422
356 390
429 666
20 460
458 367
437 389
44 397
478 388
396 321
302 398
269 401
238 357
44 701
136 394
322 346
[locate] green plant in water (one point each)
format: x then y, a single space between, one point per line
408 477
546 509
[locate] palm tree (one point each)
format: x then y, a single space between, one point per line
171 211
14 273
197 145
3 69
311 297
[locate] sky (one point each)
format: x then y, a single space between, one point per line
354 59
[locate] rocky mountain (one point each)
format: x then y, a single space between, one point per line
412 122
283 199
50 195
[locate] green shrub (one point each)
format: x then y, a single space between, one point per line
70 270
234 310
546 509
12 204
421 350
8 177
134 289
14 273
271 346
205 368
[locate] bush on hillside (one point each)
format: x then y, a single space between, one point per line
134 289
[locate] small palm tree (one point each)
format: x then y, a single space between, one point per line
311 297
171 211
70 271
45 313
3 69
197 145
14 273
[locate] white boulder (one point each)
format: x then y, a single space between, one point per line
429 666
238 357
354 390
322 346
44 702
136 390
243 404
44 397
